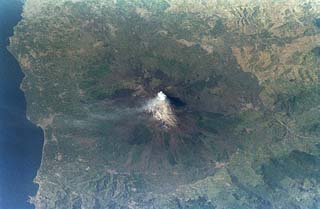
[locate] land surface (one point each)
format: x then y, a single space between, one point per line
242 78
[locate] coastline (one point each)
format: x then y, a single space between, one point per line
24 139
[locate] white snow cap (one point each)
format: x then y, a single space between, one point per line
161 110
161 96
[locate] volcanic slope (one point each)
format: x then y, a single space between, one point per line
242 86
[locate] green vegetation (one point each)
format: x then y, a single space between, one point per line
247 134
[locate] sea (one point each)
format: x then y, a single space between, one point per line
20 141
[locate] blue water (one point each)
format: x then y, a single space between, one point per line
20 141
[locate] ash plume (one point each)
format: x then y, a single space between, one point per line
159 107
